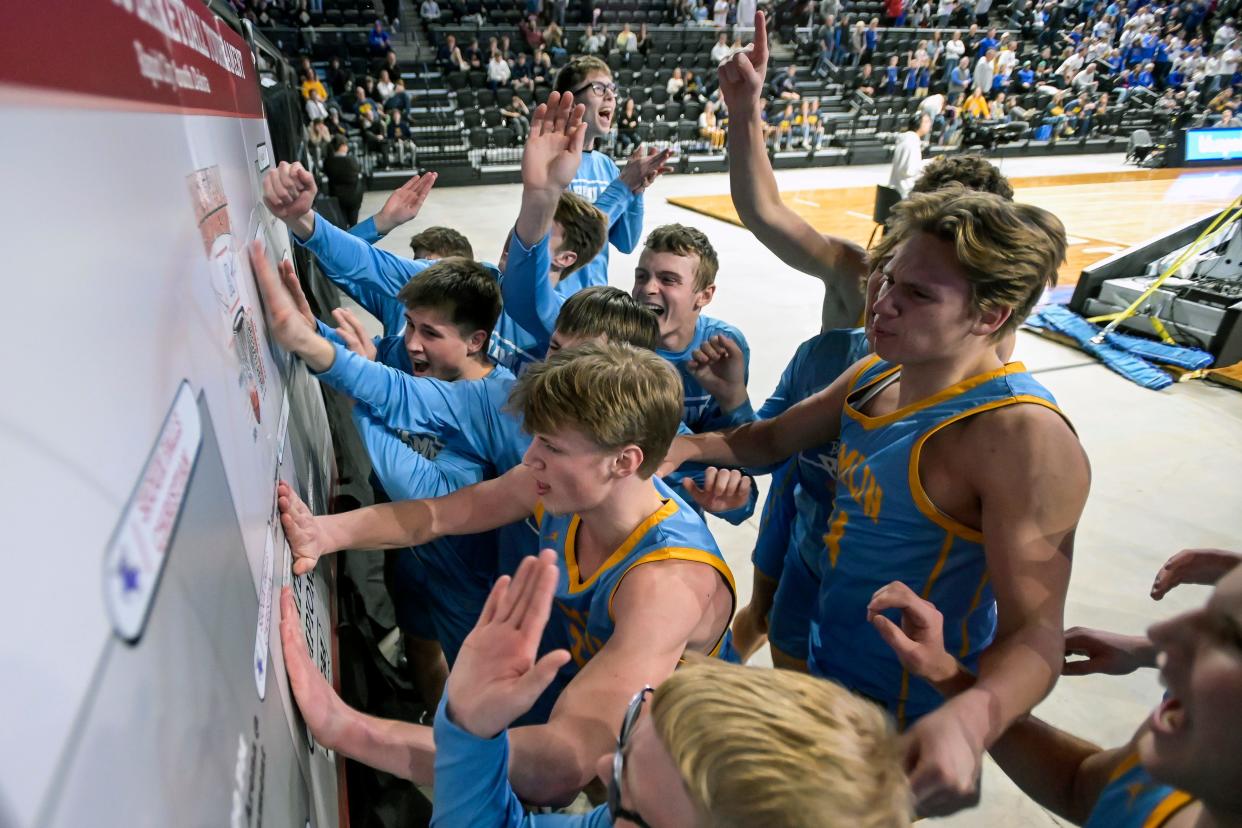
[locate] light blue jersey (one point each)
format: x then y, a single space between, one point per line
884 528
1132 799
442 585
700 411
582 610
374 277
790 544
597 182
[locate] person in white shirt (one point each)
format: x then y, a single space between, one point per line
985 70
721 50
746 10
1224 34
498 71
1007 59
953 51
429 11
720 14
315 110
908 154
384 86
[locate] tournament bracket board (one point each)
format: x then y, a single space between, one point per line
147 418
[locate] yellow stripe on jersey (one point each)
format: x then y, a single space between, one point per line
937 568
949 393
1170 805
921 500
685 553
576 584
974 604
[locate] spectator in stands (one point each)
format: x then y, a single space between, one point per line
960 78
517 117
344 179
693 89
908 154
1146 78
312 84
554 40
1055 117
720 14
858 43
627 41
377 38
531 33
1087 80
809 121
1226 121
976 106
389 62
429 11
522 75
627 127
399 99
721 49
923 80
954 51
985 70
746 10
784 85
891 81
1080 115
506 49
871 37
675 83
498 71
865 82
541 66
445 55
591 43
892 12
400 137
374 135
1025 80
784 129
559 7
709 127
644 41
320 140
1221 101
362 105
700 12
315 109
333 124
340 79
384 87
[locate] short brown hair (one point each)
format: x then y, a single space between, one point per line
971 171
603 310
1008 252
462 288
584 229
776 747
442 242
574 73
687 241
616 395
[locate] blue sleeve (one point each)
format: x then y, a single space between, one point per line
625 214
418 404
328 332
373 277
698 471
404 473
472 785
390 351
366 231
529 297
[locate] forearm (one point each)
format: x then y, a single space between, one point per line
551 763
752 182
382 526
750 446
534 219
400 748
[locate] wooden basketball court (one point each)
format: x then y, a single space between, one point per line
1103 213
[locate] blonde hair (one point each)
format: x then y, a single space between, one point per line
687 241
779 749
616 395
606 311
1008 252
584 229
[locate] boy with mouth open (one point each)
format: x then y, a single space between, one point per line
641 580
618 193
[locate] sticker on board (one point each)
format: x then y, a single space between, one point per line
134 559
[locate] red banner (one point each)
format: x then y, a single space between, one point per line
171 55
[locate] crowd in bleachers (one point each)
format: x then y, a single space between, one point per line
854 72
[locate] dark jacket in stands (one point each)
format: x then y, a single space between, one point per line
345 182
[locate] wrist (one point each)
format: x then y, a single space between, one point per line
302 226
972 708
383 224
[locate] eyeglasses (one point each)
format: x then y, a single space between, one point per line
615 811
600 89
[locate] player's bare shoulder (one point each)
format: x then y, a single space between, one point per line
1024 442
688 599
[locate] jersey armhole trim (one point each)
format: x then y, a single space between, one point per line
921 500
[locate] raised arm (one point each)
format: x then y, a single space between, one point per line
839 263
402 206
372 276
657 608
551 158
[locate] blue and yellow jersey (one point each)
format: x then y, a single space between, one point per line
1132 799
885 528
582 613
